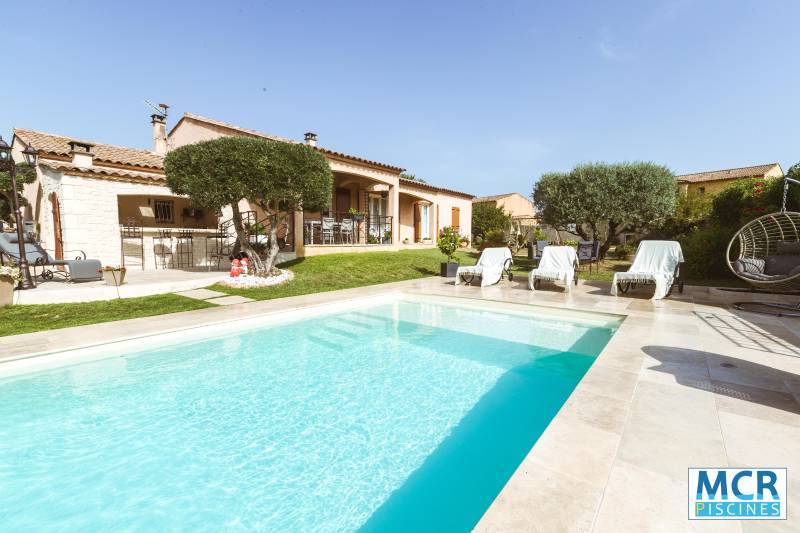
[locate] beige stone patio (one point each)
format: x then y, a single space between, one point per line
137 283
684 382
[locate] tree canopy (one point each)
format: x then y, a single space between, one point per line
486 216
26 174
279 177
604 200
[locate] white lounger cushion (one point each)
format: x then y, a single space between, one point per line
557 264
489 266
654 262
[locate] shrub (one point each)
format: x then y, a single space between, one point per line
623 251
704 252
488 217
570 242
539 235
748 199
448 242
495 237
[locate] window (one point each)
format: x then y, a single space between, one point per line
701 190
425 221
164 211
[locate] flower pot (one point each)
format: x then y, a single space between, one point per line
448 270
114 277
359 217
6 291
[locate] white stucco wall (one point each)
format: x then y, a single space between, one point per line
90 216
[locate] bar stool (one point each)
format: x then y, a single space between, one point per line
131 234
162 248
184 248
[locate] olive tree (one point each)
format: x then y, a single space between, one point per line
604 200
279 177
289 177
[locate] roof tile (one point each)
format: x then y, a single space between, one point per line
728 174
109 153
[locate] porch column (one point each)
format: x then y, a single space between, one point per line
297 229
393 209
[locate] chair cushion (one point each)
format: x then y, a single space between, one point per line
780 265
788 247
748 265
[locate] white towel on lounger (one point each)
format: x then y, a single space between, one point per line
557 264
654 262
489 266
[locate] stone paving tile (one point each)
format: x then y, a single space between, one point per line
201 294
753 441
639 500
560 503
675 424
229 300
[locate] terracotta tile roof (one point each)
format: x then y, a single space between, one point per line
421 185
104 172
729 174
257 133
49 143
495 197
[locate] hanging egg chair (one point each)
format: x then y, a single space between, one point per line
765 253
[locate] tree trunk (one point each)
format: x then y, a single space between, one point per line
274 247
612 232
243 241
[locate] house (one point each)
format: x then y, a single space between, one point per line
518 206
521 209
712 182
113 203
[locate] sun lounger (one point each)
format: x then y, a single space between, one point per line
655 262
559 264
79 269
491 265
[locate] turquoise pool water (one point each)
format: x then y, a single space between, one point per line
404 416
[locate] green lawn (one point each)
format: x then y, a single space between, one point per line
343 271
17 319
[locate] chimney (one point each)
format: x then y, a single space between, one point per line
82 154
159 122
311 138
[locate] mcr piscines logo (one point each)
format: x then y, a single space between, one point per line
737 494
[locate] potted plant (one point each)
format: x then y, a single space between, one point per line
9 276
463 242
356 214
448 244
113 275
406 241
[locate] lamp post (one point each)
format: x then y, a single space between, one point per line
7 163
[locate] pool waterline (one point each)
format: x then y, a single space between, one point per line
452 368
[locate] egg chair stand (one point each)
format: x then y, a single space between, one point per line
765 253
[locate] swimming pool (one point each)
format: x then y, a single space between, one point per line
393 415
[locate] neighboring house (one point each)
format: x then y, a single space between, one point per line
714 181
518 206
86 191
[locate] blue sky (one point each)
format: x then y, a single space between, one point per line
479 96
